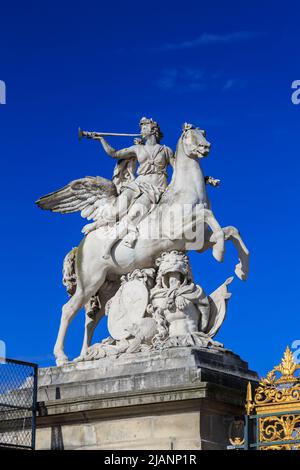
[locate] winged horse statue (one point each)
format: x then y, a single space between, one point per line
93 269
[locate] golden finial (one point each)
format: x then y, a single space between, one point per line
276 403
284 388
249 402
287 367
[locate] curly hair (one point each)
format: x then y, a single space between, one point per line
154 126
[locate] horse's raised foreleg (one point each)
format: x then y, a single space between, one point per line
232 234
242 268
217 238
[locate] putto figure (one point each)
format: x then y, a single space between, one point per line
121 208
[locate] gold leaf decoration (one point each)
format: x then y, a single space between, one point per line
276 404
285 388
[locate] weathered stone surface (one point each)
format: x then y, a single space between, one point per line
180 398
160 380
186 444
43 438
139 218
127 307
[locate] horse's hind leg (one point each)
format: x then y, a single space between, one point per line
91 322
69 310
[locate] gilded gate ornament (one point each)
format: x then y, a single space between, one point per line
280 428
281 385
276 403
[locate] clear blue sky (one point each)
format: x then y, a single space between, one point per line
226 66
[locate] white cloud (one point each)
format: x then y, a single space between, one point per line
210 38
193 79
234 83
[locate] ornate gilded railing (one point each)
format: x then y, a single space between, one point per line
272 421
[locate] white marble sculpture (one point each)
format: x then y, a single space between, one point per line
160 308
143 282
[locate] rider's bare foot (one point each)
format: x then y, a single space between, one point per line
89 228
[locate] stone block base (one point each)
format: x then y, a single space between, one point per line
181 398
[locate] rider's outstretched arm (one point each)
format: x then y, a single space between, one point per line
123 153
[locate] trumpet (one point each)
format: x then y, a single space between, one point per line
93 135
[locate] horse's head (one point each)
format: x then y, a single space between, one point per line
194 141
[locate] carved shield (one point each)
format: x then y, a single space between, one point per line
128 306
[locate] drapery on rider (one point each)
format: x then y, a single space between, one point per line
137 194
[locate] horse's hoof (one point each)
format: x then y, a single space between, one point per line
62 360
79 358
240 273
218 254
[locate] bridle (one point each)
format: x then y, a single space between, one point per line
182 142
185 130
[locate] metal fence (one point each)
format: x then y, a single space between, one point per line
270 431
18 402
272 421
273 431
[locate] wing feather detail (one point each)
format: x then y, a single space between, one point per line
86 195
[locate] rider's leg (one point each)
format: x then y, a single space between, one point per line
128 225
136 213
118 231
111 213
116 211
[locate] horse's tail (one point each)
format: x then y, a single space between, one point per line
70 282
69 274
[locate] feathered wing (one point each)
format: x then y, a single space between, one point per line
86 195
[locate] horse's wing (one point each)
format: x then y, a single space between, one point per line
87 195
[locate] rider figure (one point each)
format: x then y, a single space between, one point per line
137 194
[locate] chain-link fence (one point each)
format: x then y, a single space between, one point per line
18 398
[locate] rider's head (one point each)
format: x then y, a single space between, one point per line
150 127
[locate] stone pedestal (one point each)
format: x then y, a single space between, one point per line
180 398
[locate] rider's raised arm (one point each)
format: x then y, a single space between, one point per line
123 153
